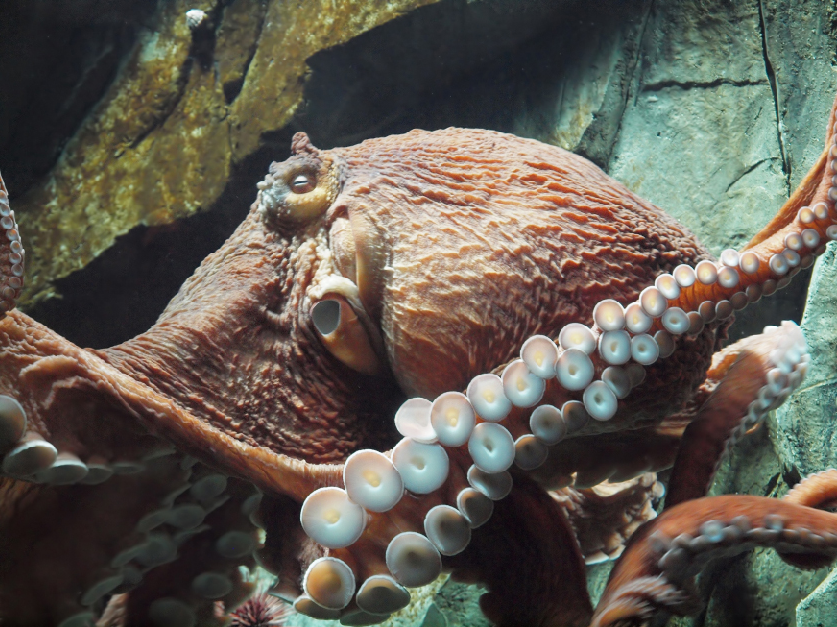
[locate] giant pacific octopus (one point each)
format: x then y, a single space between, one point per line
455 350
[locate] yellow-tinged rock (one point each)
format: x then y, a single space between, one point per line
160 144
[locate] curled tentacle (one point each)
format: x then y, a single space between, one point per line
818 490
11 255
749 379
657 570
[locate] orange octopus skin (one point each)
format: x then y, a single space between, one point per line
442 252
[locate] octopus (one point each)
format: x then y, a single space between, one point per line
455 351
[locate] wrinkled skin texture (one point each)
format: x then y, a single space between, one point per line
443 252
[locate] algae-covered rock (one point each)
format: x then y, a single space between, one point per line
161 142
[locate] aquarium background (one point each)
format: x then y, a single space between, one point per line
131 149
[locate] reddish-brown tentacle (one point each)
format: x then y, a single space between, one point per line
747 380
207 568
528 559
817 490
789 242
60 385
59 543
657 570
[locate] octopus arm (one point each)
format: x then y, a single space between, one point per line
795 236
86 408
616 457
746 380
529 559
208 565
657 570
59 544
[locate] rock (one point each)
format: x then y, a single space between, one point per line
818 608
161 142
458 605
703 84
713 110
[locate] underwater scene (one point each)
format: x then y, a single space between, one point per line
421 313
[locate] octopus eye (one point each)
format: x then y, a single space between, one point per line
303 183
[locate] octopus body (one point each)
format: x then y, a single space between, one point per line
455 350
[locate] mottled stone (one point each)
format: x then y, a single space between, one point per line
818 608
800 48
458 604
699 135
580 97
161 142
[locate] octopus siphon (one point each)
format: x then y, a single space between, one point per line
454 351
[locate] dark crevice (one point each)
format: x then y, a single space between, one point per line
233 88
632 89
699 84
747 171
791 476
771 77
57 62
122 291
772 310
454 63
770 488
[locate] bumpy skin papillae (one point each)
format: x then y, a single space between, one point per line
11 254
730 405
86 407
540 234
657 570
